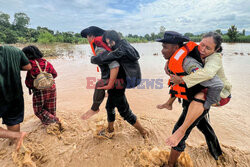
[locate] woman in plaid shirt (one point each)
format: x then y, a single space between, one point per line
44 101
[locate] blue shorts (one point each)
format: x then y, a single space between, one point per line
12 113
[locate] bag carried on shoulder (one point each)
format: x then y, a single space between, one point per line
43 80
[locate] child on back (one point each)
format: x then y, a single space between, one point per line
44 101
108 71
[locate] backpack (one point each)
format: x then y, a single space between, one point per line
43 80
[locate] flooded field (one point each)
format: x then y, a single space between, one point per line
78 145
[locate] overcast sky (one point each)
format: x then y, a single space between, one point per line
133 16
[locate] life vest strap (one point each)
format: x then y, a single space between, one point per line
179 74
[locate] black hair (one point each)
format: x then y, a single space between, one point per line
181 44
217 40
112 36
32 52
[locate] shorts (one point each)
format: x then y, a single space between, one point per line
222 102
12 113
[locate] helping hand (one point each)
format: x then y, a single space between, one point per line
105 87
176 79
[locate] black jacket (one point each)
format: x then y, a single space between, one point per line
128 58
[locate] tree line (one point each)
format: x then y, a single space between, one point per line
18 32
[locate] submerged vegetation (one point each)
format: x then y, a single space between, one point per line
18 32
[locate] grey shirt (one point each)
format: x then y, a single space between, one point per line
214 85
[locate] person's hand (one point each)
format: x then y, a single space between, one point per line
166 68
176 79
105 87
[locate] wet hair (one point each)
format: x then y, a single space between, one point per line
32 52
112 36
217 40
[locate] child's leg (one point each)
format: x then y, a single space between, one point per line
50 105
98 97
38 102
99 94
168 104
195 110
45 106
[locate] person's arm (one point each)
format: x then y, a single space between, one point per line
24 62
166 69
105 57
114 69
212 65
26 67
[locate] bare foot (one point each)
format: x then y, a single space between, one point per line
175 138
145 134
165 105
20 140
89 114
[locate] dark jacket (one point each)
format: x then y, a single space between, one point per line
128 58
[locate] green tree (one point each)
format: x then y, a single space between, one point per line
232 33
130 35
45 29
161 33
46 37
21 20
21 40
243 32
219 31
4 20
2 37
32 35
153 36
78 35
147 36
11 36
188 34
68 37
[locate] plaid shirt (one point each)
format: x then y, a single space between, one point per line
35 71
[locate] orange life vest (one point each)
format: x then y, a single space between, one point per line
98 42
175 67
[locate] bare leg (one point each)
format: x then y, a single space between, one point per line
19 136
195 110
174 155
14 128
142 131
168 104
89 114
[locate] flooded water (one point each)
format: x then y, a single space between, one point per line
231 122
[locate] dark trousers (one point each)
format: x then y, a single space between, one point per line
204 126
99 94
118 99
